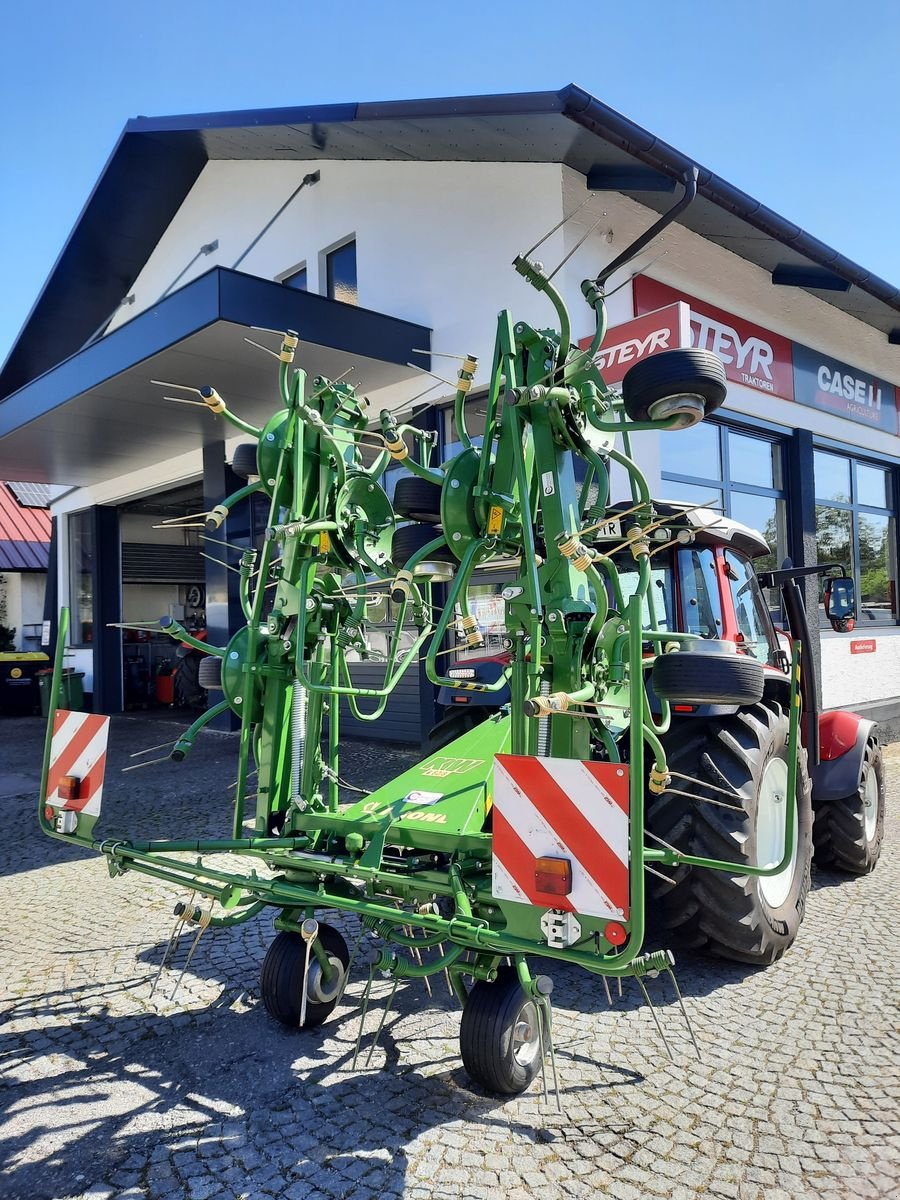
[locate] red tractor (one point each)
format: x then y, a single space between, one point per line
719 744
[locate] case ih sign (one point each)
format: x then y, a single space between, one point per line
752 356
824 383
770 363
624 345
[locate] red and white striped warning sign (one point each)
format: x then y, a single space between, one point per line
562 808
78 748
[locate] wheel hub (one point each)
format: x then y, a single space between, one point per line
317 989
526 1043
770 819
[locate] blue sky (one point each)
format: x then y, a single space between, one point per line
796 102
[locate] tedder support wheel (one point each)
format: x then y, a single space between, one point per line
418 499
751 919
243 463
674 373
847 833
283 980
500 1035
410 538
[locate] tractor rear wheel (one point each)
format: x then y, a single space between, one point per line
284 977
500 1035
848 832
751 919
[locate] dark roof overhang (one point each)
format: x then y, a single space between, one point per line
97 415
157 161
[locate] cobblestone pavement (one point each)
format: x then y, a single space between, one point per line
107 1092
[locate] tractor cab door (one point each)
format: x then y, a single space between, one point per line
748 621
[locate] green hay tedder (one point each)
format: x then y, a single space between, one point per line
532 834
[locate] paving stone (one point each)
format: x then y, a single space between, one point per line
207 1098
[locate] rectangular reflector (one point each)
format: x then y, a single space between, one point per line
68 787
553 875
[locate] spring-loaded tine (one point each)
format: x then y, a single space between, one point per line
619 982
684 1011
204 924
362 1017
151 762
545 1012
446 972
179 921
606 988
659 1027
417 955
350 962
659 875
538 1006
161 746
387 1009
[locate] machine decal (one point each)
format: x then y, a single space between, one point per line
78 749
555 807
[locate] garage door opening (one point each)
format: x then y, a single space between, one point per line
162 575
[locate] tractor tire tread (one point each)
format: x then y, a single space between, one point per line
711 911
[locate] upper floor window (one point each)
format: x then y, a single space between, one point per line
340 273
296 279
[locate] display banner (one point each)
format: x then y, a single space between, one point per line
666 329
831 386
752 356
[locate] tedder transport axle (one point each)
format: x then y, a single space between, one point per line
526 835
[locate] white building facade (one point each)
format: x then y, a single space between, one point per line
379 232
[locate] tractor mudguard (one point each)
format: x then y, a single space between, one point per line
843 737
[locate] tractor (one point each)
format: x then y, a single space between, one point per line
637 750
706 585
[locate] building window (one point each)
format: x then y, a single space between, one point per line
738 473
296 279
340 273
856 526
81 578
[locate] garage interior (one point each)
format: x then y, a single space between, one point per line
163 574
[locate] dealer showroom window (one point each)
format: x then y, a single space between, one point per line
728 469
856 526
81 577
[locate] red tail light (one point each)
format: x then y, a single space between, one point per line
553 875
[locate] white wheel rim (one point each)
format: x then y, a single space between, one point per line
526 1041
870 804
770 818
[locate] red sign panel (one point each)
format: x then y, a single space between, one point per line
863 646
752 356
666 329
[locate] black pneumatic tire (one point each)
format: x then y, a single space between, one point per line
708 677
410 538
283 977
713 912
841 840
672 373
418 500
244 462
209 673
487 1030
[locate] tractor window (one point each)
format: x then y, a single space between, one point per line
661 591
751 614
701 607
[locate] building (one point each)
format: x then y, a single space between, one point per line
383 230
24 557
